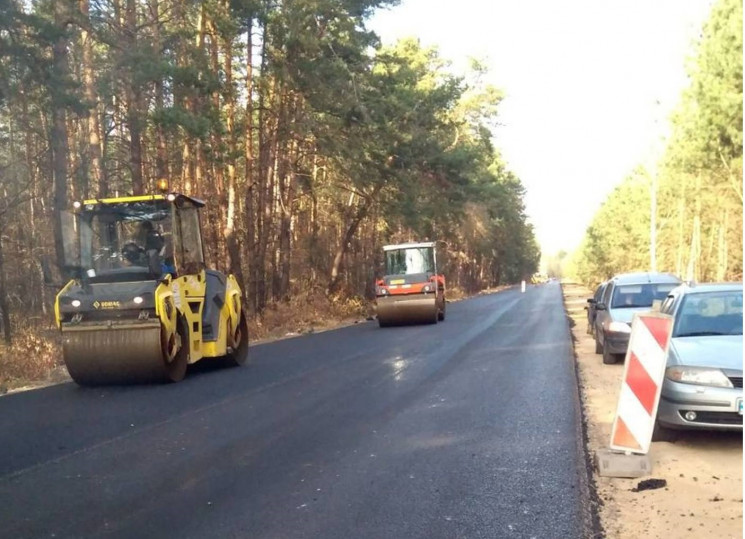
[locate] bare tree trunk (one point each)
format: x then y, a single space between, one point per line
198 150
263 209
350 229
33 240
694 260
341 250
4 305
161 159
286 197
721 270
272 207
707 263
134 119
187 173
681 239
281 172
92 128
375 255
105 185
725 245
313 256
185 167
76 161
249 171
217 182
58 133
285 243
231 239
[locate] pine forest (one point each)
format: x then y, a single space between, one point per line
311 143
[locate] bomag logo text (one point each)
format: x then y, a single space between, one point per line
106 304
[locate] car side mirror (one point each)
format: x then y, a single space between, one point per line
601 307
591 301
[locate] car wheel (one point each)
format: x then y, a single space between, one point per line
663 434
608 358
598 346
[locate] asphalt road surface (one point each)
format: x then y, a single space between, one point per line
469 428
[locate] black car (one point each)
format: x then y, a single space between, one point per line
591 309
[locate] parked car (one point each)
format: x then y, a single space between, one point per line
702 388
624 295
591 311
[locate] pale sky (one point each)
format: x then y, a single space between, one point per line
581 79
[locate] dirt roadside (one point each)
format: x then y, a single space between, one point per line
704 492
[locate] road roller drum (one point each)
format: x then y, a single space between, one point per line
118 353
407 310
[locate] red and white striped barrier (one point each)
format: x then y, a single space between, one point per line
643 374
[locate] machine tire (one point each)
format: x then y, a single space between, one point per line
383 324
175 371
608 358
239 356
441 314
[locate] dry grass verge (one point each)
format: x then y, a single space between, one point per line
307 313
34 358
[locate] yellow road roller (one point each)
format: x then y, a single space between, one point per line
411 290
142 304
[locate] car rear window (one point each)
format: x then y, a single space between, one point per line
640 295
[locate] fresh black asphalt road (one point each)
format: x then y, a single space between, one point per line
468 428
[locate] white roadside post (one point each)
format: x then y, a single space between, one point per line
522 287
643 374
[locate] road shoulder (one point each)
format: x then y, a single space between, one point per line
703 471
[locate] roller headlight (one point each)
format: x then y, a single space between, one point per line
426 288
137 300
380 291
704 376
75 303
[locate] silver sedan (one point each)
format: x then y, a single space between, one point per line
703 380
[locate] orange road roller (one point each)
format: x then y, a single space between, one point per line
412 290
